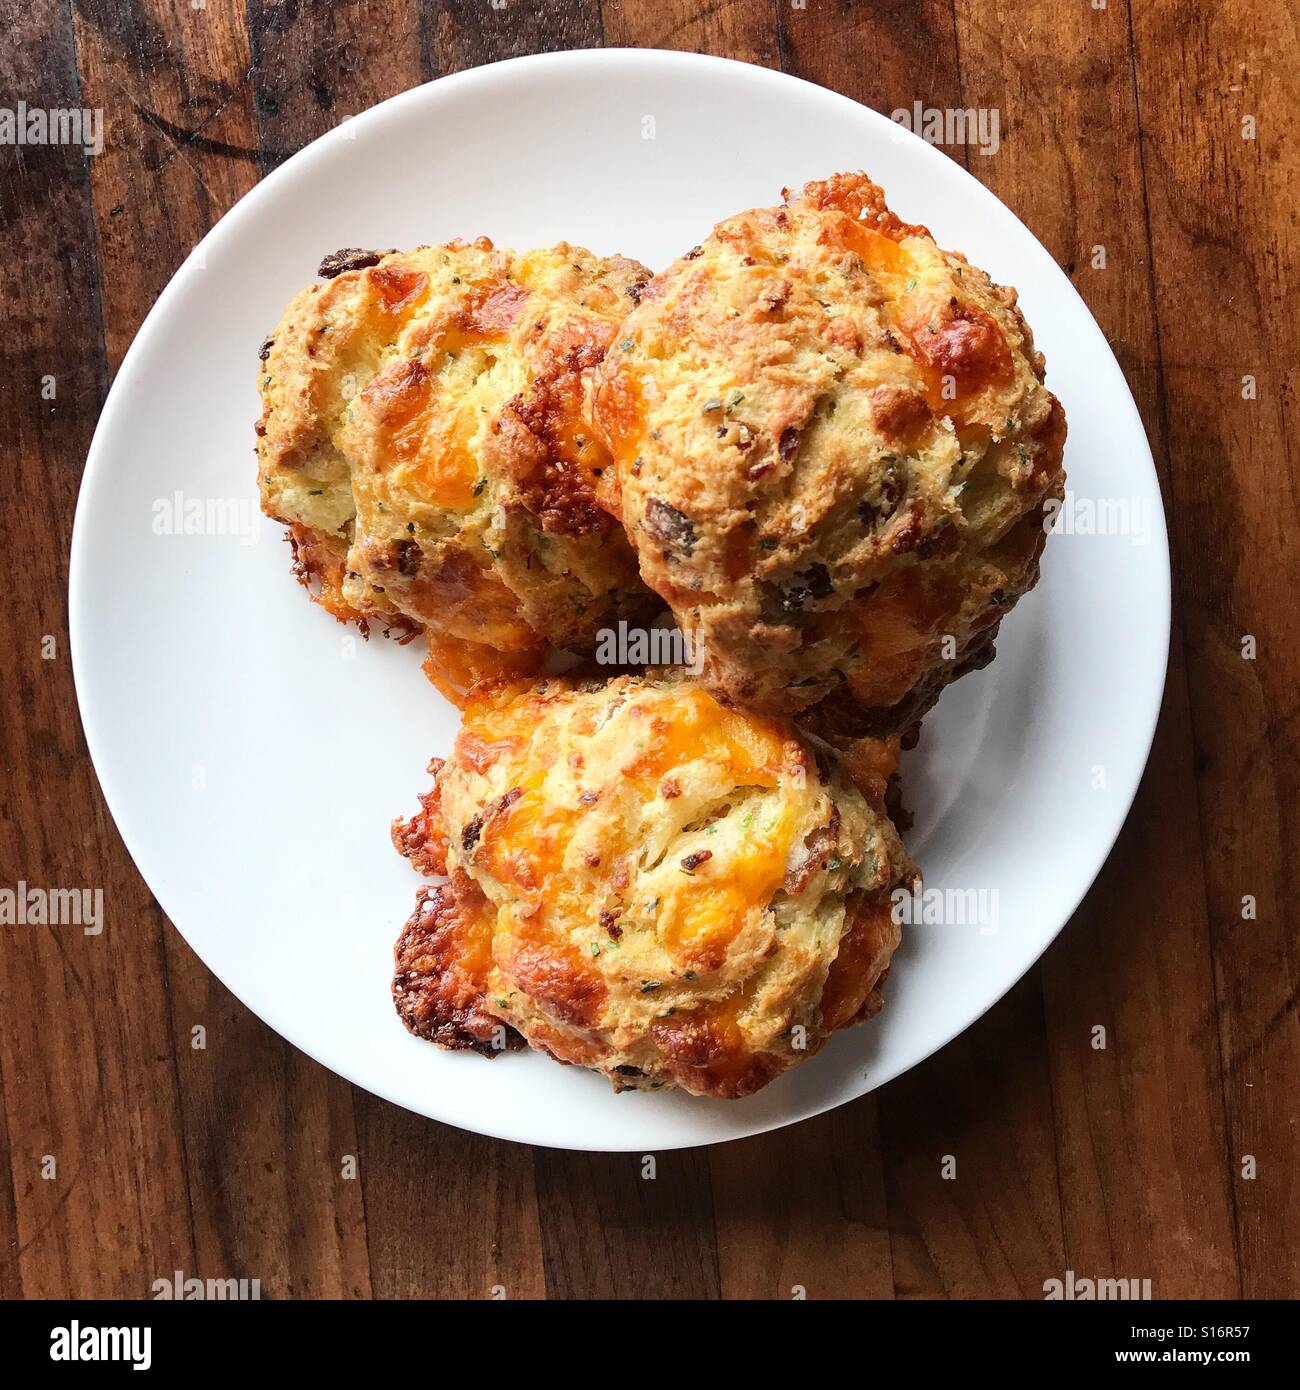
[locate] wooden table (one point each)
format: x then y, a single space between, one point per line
1162 131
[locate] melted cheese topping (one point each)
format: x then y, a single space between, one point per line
957 349
456 666
445 465
529 843
699 919
880 254
750 750
620 411
400 288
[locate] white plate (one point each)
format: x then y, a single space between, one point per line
253 752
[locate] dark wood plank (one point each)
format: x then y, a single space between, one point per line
86 1060
885 55
264 1129
181 143
801 1212
11 1283
315 65
468 33
268 1137
741 29
448 1214
626 1225
1140 1123
971 1170
1223 226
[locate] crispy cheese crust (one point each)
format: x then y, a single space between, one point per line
833 449
426 437
680 894
441 960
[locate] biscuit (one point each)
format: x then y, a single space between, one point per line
833 450
426 437
647 883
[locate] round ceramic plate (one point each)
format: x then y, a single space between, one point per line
253 752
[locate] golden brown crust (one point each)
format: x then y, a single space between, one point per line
833 451
441 962
673 880
704 1053
852 993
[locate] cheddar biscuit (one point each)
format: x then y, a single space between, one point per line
426 437
833 448
648 883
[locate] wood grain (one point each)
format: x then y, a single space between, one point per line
739 29
468 33
95 1159
801 1213
316 65
1121 127
1222 216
